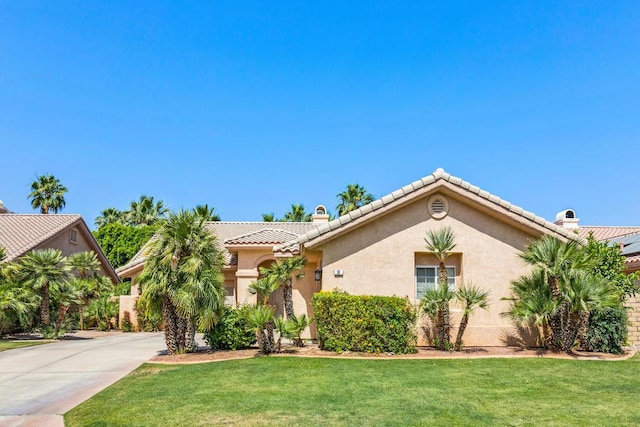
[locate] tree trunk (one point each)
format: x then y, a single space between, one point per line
583 327
45 316
181 334
190 344
444 335
288 299
463 325
270 328
169 317
557 319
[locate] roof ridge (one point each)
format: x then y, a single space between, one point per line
239 236
437 175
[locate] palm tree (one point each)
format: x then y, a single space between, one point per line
532 301
47 194
41 270
263 288
146 211
257 317
206 212
109 216
88 284
354 197
441 243
559 261
296 214
268 217
182 279
17 303
283 271
587 292
471 297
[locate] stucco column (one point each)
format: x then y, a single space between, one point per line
243 278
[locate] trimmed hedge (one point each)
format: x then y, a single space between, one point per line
607 331
371 324
232 332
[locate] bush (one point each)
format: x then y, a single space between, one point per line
232 332
607 331
125 323
371 324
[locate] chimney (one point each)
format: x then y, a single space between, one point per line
320 215
567 219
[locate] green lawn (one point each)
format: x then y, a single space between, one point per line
10 345
303 391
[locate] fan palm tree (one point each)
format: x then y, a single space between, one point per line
532 301
471 297
441 243
268 217
47 194
296 214
109 216
206 212
182 279
264 287
146 211
354 197
283 271
258 317
41 270
559 261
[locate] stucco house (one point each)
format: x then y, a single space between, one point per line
379 249
22 233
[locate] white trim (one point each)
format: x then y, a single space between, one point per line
436 268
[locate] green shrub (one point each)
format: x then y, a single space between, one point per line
125 323
232 332
607 331
371 324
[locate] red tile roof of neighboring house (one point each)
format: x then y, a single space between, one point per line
605 232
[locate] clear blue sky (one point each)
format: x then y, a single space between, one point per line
252 106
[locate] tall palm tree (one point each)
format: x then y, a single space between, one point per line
471 297
109 216
441 243
47 194
559 261
206 212
296 214
182 279
146 211
354 197
283 271
42 270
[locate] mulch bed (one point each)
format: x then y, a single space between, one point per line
312 350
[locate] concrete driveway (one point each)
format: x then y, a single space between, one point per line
38 384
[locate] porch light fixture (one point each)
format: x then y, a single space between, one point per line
317 275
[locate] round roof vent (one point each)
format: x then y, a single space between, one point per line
438 206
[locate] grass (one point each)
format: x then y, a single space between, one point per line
11 344
305 391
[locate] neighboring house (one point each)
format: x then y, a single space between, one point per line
22 233
379 249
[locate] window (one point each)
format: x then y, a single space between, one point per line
427 278
73 236
230 295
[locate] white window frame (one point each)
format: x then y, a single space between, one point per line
452 286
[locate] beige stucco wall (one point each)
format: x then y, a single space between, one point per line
379 258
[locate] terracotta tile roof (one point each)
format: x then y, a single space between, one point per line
19 233
421 185
244 231
606 232
265 236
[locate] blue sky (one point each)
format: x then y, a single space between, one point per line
253 106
